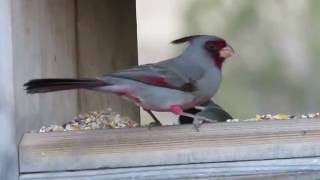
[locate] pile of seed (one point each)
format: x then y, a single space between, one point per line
93 120
279 117
109 119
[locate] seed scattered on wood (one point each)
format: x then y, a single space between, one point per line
93 120
109 119
280 116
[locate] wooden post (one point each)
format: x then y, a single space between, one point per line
63 38
57 39
43 47
107 41
8 150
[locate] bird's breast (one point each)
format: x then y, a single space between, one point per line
209 84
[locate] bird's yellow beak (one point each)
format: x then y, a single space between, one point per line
226 52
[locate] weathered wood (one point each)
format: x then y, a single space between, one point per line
107 42
8 148
220 142
44 46
306 168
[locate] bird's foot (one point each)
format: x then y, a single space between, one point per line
196 124
197 120
202 118
153 124
156 120
201 108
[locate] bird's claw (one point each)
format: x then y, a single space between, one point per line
197 123
153 124
198 120
201 108
204 119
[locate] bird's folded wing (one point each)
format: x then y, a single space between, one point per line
162 76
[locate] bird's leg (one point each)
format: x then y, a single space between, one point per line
201 108
176 109
197 123
156 120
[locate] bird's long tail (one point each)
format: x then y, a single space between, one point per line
49 85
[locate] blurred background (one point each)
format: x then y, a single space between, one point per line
277 42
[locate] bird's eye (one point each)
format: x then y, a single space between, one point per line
212 47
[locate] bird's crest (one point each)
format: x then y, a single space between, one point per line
184 39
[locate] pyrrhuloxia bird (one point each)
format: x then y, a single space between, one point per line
172 85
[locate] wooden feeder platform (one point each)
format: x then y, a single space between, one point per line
265 149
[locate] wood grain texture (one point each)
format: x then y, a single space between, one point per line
44 46
170 145
284 169
8 147
107 38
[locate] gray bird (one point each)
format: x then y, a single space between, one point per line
173 85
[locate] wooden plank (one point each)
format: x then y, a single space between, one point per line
44 46
219 142
281 169
75 176
107 42
8 148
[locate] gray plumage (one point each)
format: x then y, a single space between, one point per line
185 81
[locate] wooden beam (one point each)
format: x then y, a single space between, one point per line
43 47
306 168
172 145
107 41
8 145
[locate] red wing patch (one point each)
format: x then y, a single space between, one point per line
157 81
129 95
